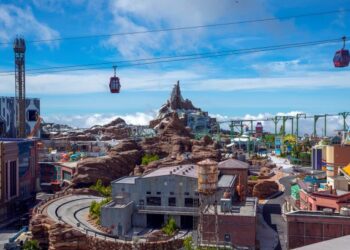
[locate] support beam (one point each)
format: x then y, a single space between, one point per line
298 116
344 115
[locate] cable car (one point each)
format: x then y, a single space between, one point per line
341 57
114 83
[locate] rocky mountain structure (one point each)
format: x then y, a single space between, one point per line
191 116
117 129
119 162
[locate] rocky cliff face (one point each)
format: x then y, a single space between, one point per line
120 161
117 129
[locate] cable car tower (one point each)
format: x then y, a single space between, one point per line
19 48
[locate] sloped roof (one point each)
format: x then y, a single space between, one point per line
233 163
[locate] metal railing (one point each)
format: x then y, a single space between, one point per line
168 209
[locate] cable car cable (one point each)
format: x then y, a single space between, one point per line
183 28
172 58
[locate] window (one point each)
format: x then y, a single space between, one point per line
190 202
66 175
32 115
13 179
172 202
154 201
148 192
159 193
187 193
171 193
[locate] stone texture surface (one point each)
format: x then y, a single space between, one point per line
265 189
120 161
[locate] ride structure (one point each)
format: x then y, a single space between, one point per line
19 48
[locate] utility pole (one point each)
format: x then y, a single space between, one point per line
275 120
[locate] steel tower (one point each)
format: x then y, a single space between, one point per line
19 48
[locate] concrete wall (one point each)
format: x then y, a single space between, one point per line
305 230
117 218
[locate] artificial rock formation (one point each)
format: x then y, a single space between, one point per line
264 189
119 162
116 129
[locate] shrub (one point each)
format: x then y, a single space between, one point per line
170 227
31 245
95 209
148 158
105 191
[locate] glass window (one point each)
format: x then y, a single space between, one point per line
154 201
190 202
172 202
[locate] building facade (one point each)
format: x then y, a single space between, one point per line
19 175
308 227
8 116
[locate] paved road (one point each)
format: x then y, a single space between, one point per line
272 210
5 234
72 210
272 213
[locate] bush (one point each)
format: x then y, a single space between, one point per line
105 191
95 209
148 158
31 245
170 227
188 243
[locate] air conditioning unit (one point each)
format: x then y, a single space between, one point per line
345 211
327 211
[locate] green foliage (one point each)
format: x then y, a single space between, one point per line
105 191
188 243
270 139
95 209
148 158
253 178
31 245
291 139
170 227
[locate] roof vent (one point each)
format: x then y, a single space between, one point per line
184 172
171 172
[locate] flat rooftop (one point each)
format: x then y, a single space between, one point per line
189 170
68 164
126 180
247 208
227 181
337 243
317 214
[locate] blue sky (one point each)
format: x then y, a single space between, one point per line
301 79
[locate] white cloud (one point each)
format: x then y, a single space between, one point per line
334 123
21 21
95 81
87 121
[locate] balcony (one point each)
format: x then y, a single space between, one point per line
191 211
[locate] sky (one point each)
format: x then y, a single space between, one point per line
245 85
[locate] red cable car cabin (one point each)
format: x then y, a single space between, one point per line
114 84
341 57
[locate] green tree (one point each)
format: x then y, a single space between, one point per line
31 245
